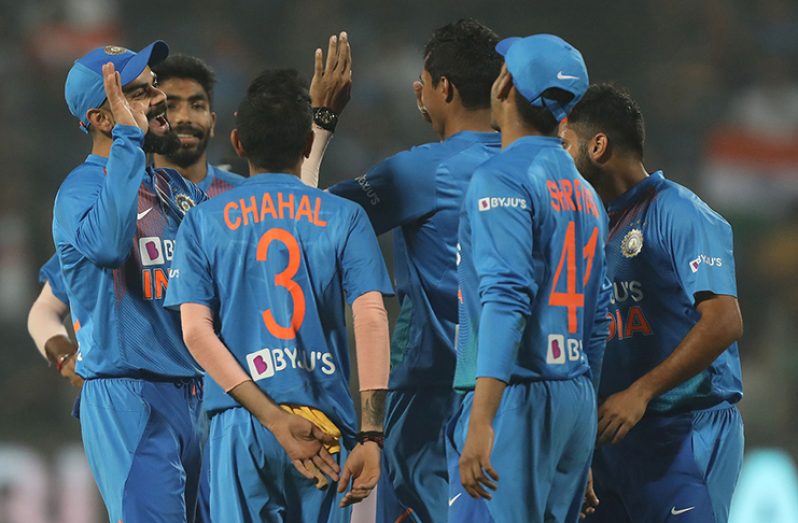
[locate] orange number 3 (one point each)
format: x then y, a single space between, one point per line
571 299
284 279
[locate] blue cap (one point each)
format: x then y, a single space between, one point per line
84 84
541 62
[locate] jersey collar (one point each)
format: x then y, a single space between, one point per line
476 136
274 179
633 194
95 159
535 141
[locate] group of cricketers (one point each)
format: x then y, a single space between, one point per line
566 342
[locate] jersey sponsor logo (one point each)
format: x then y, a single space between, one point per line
632 243
678 512
703 259
371 194
560 348
265 363
486 204
626 290
155 251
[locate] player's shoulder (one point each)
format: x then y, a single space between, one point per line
679 204
79 182
419 158
220 173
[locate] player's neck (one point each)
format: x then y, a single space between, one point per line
195 173
467 120
623 177
101 146
296 170
515 130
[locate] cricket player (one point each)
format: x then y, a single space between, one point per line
671 437
271 262
114 226
532 303
418 194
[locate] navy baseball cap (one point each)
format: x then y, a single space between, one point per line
541 62
84 84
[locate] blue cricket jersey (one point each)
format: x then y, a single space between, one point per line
533 287
419 193
275 260
218 181
114 226
665 246
51 273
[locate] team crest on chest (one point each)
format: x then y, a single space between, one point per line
184 203
632 243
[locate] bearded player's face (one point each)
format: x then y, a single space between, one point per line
189 112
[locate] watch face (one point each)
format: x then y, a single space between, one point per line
325 118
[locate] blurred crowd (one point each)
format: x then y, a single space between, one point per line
717 81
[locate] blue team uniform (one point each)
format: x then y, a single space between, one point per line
218 181
418 193
114 226
275 260
681 461
51 273
533 300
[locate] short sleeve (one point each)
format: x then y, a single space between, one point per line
363 268
51 273
396 191
700 243
190 279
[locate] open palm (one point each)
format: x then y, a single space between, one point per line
124 111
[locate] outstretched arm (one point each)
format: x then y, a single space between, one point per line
330 87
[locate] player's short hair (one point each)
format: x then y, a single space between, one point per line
540 117
274 119
187 68
610 109
465 52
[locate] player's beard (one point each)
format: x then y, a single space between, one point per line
187 156
160 144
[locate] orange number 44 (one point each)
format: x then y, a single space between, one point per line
284 279
571 299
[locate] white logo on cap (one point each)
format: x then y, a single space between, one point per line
563 76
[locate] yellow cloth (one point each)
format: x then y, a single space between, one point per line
320 420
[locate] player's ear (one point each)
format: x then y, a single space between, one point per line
213 124
101 120
447 88
599 148
308 145
236 143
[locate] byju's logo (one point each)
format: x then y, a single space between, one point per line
556 351
709 261
155 251
486 204
260 364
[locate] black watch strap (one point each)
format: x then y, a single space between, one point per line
377 436
325 118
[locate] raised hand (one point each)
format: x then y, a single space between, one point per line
331 85
363 469
125 112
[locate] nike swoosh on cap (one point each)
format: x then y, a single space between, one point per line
142 214
562 76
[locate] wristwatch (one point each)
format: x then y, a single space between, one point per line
325 118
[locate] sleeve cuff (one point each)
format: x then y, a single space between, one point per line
500 334
129 132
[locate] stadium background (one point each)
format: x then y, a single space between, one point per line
717 81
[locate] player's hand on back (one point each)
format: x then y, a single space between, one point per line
619 414
304 444
331 85
476 472
125 112
362 467
62 352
